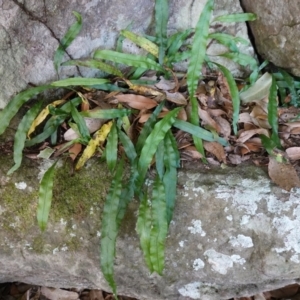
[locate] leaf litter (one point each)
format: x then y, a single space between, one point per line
215 112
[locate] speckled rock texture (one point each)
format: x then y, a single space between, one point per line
234 233
30 32
276 31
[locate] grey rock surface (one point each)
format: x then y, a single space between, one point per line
233 234
30 32
276 31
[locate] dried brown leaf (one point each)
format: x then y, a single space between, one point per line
293 153
75 150
283 174
58 294
285 292
96 295
293 124
182 115
260 117
246 135
165 84
216 112
208 120
223 85
224 125
235 159
216 149
191 152
245 118
136 101
176 98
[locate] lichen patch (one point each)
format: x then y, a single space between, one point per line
198 264
221 262
191 290
21 185
241 241
197 228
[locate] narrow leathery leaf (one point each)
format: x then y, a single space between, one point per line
106 113
291 85
153 140
159 229
268 144
138 73
171 141
199 146
99 137
109 228
254 75
143 228
75 81
177 40
121 38
234 92
242 59
199 49
141 41
233 18
151 38
171 162
199 132
198 52
108 87
127 192
71 34
228 40
148 126
180 56
112 147
53 123
81 124
45 197
94 64
20 135
16 102
132 60
43 115
159 159
51 128
272 112
161 20
46 153
128 145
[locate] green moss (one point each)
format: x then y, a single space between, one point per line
77 200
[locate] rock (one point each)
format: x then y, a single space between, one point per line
276 31
30 34
233 234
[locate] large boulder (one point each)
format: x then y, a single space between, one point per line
276 31
30 32
234 233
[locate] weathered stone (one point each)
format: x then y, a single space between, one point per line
234 233
30 34
276 31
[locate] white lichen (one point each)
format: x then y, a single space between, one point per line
197 228
191 290
241 241
198 264
229 218
221 262
21 185
246 195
